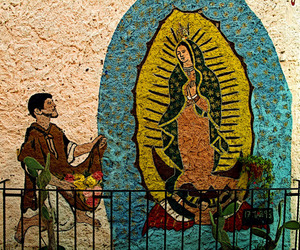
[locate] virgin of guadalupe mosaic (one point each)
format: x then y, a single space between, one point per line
194 120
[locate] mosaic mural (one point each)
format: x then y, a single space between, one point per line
187 87
193 114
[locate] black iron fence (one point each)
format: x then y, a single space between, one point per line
270 217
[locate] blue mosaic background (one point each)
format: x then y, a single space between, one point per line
271 105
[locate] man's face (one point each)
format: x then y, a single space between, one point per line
49 108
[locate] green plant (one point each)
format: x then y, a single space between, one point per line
43 178
258 169
259 172
271 244
218 232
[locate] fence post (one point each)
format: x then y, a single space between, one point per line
298 204
200 220
147 232
129 221
111 219
57 219
4 215
165 230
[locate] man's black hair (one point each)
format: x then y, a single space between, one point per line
37 101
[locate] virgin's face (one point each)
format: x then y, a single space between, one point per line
183 54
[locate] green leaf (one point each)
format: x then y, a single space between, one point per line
225 245
214 231
230 208
43 195
44 178
47 162
220 212
260 233
278 234
45 213
32 172
211 218
279 214
53 215
32 166
221 222
32 163
224 236
292 225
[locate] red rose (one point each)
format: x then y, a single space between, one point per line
89 202
98 175
69 178
88 193
99 190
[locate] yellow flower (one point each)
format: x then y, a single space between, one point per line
79 177
80 185
90 181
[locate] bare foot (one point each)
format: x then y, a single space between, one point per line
27 223
82 217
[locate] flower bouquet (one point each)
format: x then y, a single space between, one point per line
91 185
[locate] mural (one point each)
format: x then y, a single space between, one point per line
193 113
188 87
72 167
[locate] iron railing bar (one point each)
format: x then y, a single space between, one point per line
298 204
3 181
4 213
218 212
268 207
93 216
284 211
111 220
129 222
102 197
75 220
147 233
40 218
161 190
21 218
57 219
182 231
234 219
165 222
292 194
12 195
200 220
250 243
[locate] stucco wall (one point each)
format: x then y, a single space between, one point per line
59 47
281 20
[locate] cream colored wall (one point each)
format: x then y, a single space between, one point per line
59 46
282 21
